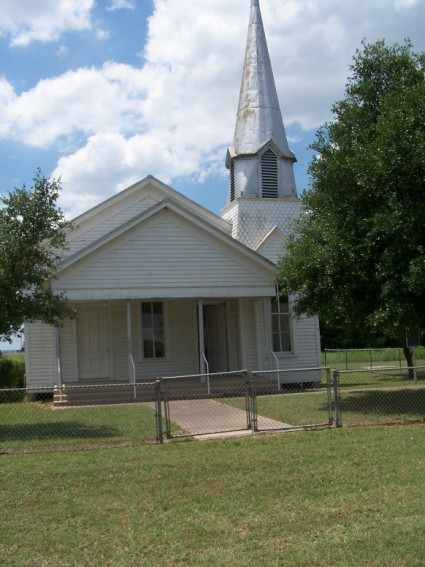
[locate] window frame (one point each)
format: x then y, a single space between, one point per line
142 328
278 300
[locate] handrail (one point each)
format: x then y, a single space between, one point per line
58 363
133 368
207 368
278 369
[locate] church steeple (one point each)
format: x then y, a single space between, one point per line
260 162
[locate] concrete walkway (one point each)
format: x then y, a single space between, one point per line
209 418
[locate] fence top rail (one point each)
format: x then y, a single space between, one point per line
360 349
106 385
381 369
205 375
39 390
287 370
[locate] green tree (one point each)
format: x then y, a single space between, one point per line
358 257
32 241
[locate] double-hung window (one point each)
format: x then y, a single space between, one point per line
281 324
153 329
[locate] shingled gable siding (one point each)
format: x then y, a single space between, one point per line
252 219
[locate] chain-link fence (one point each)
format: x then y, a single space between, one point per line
77 417
288 399
380 396
367 358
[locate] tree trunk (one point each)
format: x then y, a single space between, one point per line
408 355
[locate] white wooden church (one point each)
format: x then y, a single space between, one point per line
164 287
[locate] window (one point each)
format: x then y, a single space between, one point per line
281 326
153 330
269 175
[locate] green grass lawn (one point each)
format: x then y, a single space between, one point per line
29 425
302 408
330 497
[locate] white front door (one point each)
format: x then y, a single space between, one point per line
93 342
216 337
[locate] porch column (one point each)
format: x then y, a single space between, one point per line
202 368
131 366
58 359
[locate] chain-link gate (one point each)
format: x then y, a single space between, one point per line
244 402
203 404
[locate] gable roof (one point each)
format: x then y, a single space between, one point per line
273 244
138 188
129 203
165 252
184 212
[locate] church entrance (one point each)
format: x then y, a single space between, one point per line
215 333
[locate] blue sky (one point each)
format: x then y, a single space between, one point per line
105 92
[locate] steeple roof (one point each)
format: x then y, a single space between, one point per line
259 118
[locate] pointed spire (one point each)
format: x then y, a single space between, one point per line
259 117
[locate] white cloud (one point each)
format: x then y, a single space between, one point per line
79 102
121 5
405 4
25 21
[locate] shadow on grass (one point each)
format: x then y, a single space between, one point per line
52 431
384 402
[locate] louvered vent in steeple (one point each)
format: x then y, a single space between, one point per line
232 180
269 175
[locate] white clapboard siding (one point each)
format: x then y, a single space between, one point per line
180 336
181 341
262 330
308 342
181 344
233 333
273 247
166 251
111 220
119 338
306 345
40 354
249 334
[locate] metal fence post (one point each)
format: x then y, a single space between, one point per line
248 401
158 412
338 421
329 393
164 388
253 403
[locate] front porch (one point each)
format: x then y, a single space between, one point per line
134 341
